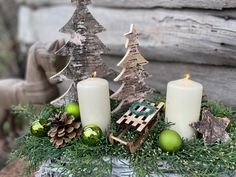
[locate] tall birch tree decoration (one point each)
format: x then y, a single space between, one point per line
84 50
133 74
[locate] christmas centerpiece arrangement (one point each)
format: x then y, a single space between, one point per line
132 132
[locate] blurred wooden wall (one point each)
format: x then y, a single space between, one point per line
175 36
9 63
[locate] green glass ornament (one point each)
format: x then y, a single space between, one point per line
39 128
91 135
73 109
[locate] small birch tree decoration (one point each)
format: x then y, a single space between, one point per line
84 50
133 74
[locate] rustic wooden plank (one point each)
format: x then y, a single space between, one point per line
172 35
204 4
219 82
166 35
37 3
228 14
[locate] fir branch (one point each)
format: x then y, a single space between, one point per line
220 110
25 112
81 160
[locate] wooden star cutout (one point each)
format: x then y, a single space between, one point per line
212 128
132 36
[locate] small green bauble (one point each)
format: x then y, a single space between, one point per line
72 109
170 141
39 128
91 135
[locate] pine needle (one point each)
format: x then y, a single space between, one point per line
79 159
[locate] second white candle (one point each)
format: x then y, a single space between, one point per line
183 104
94 102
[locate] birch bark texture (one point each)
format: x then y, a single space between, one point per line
84 50
133 74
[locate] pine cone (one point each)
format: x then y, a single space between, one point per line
64 128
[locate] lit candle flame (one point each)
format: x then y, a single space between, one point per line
94 74
187 76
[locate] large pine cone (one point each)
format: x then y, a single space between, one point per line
64 128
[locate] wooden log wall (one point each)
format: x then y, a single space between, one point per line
9 56
173 35
176 36
219 82
203 4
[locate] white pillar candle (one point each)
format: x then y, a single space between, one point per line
94 102
183 105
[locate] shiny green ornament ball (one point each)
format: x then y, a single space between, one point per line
73 109
91 135
170 141
39 128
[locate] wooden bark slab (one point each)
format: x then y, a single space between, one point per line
204 4
172 35
203 37
36 3
219 82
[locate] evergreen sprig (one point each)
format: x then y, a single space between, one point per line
78 159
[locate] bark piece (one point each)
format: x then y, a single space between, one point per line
212 128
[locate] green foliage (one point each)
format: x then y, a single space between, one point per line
220 110
81 160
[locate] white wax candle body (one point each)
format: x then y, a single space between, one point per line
94 101
183 105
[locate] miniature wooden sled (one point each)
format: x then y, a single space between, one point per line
141 124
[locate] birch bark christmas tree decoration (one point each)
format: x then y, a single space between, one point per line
84 49
133 74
